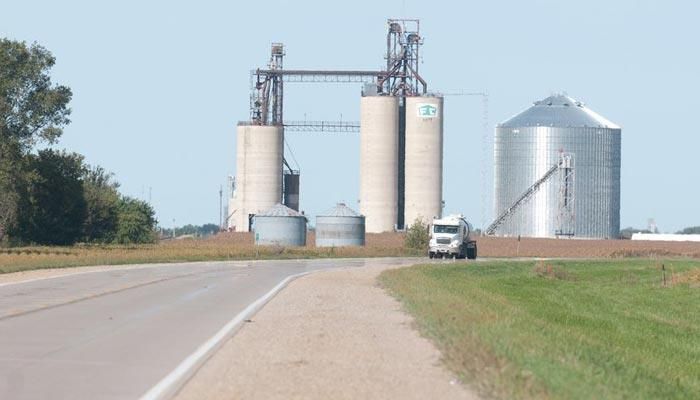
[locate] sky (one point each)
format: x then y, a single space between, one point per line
159 86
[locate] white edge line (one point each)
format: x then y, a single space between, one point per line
172 382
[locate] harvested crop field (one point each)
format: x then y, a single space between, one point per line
225 246
580 248
240 246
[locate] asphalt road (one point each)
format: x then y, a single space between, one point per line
115 334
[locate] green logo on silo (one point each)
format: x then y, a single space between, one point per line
427 111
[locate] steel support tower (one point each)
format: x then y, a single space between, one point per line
401 78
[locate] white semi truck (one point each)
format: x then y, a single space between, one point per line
450 237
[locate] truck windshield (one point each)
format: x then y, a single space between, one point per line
445 229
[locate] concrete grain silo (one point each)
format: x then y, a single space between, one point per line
379 162
258 184
340 226
423 166
281 226
531 143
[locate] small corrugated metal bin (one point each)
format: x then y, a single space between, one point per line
341 226
280 226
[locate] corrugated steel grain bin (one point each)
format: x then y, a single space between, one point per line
280 226
340 226
530 143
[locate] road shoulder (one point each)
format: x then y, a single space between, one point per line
332 334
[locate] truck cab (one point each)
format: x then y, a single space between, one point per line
450 237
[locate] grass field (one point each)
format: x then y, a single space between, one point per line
608 329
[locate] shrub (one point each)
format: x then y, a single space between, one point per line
135 222
417 236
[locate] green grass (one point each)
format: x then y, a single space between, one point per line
561 330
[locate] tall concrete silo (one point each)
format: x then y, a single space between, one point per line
531 143
423 166
379 162
258 184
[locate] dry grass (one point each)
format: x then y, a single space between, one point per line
549 271
240 246
690 278
225 246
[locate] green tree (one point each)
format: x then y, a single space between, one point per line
418 236
10 179
32 110
197 230
8 203
102 203
208 229
629 231
692 230
136 222
53 209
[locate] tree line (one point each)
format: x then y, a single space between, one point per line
47 196
197 230
628 232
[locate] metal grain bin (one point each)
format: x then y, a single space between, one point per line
340 226
280 226
530 143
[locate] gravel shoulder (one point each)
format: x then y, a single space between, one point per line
332 334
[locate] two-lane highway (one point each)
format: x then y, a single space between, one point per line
115 334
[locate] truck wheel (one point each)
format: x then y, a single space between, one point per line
431 255
462 255
471 253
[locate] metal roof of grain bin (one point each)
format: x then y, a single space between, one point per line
340 226
559 111
280 225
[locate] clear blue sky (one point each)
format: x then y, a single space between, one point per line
159 86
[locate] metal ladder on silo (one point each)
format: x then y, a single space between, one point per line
564 162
